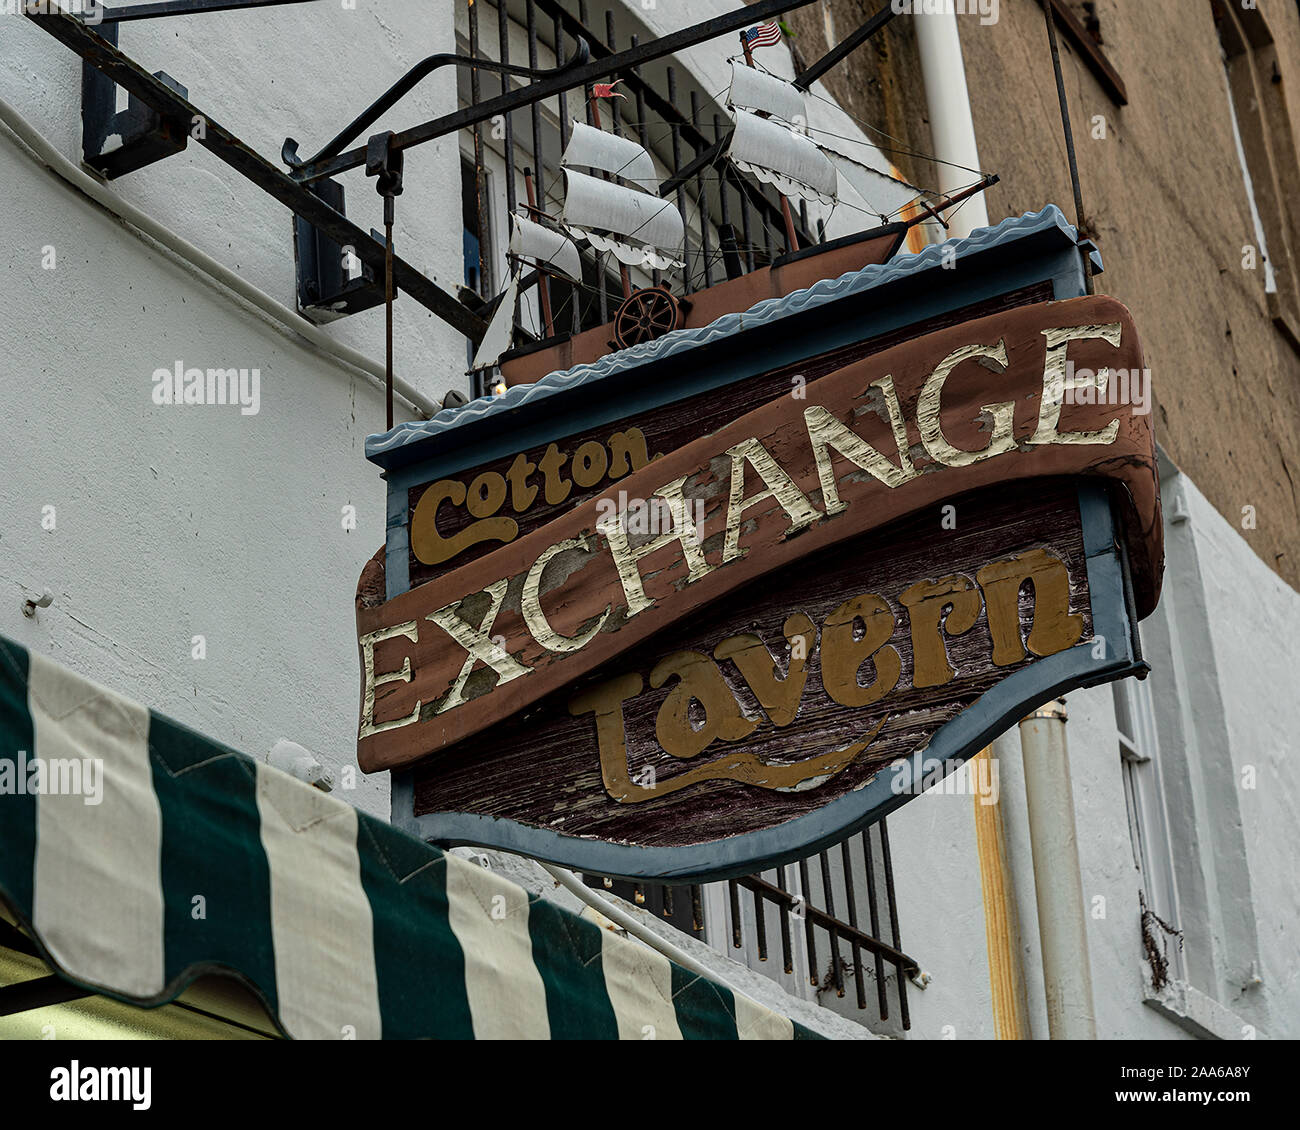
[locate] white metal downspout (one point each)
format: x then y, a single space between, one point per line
952 129
1062 924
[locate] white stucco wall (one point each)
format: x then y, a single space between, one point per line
174 522
301 71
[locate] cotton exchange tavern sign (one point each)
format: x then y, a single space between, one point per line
728 654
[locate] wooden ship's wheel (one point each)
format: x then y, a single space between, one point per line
645 315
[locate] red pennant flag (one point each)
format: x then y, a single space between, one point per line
606 89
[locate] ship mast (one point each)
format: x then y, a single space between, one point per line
791 240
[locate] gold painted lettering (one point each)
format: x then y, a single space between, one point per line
627 452
843 652
698 680
778 696
626 559
928 409
925 603
372 681
531 605
1055 383
826 432
589 464
605 700
485 495
522 492
557 486
1053 627
430 547
778 485
478 644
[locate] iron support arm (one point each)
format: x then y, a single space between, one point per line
228 148
599 68
407 83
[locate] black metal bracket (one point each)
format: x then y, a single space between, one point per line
385 164
40 992
115 142
185 8
325 290
105 57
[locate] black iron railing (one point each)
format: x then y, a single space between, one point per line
830 920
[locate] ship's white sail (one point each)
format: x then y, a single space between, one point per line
762 93
545 248
632 222
542 247
882 194
620 156
779 156
639 229
500 331
771 143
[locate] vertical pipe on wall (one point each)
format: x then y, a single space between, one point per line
952 128
1001 925
1062 924
503 55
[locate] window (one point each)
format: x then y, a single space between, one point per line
1148 828
1078 22
1261 239
1265 152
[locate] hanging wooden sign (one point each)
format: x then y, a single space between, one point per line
688 643
757 725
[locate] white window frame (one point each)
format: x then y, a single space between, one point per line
1144 801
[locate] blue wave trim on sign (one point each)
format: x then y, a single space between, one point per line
766 312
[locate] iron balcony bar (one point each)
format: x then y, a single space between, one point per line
546 88
224 145
831 924
185 8
847 45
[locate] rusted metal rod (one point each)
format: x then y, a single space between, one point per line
820 918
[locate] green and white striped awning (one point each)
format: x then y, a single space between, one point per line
198 860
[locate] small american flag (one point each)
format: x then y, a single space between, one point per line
765 35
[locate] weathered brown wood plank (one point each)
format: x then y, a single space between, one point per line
542 767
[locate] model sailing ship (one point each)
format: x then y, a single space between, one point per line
615 206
